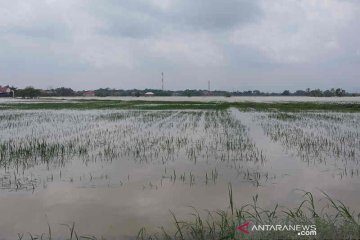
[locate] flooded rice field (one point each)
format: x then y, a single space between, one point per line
112 172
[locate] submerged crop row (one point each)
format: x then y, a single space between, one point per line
51 140
327 139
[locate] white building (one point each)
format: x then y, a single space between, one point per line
149 94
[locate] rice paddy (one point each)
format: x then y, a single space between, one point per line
326 139
132 172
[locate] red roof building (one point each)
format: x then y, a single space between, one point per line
89 94
6 92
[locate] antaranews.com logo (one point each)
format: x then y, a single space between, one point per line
300 230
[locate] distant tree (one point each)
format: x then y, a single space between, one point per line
189 93
158 92
247 93
328 93
103 92
256 93
64 92
227 94
286 93
333 92
316 93
340 92
300 93
28 92
31 92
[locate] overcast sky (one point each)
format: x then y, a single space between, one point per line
270 45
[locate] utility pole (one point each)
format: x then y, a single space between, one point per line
208 92
162 81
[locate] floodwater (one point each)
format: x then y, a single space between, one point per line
113 172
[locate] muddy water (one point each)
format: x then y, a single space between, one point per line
116 195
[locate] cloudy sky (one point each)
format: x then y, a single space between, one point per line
270 45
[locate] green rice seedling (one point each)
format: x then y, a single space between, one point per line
224 225
337 222
318 138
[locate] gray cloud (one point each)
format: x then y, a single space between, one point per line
134 19
215 15
237 44
49 31
139 18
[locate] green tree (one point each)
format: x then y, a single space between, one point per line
328 93
340 92
28 92
316 93
286 93
64 92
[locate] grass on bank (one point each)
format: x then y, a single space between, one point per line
333 221
84 104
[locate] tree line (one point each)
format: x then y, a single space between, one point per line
31 92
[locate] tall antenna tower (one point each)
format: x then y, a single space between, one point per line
209 86
162 81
